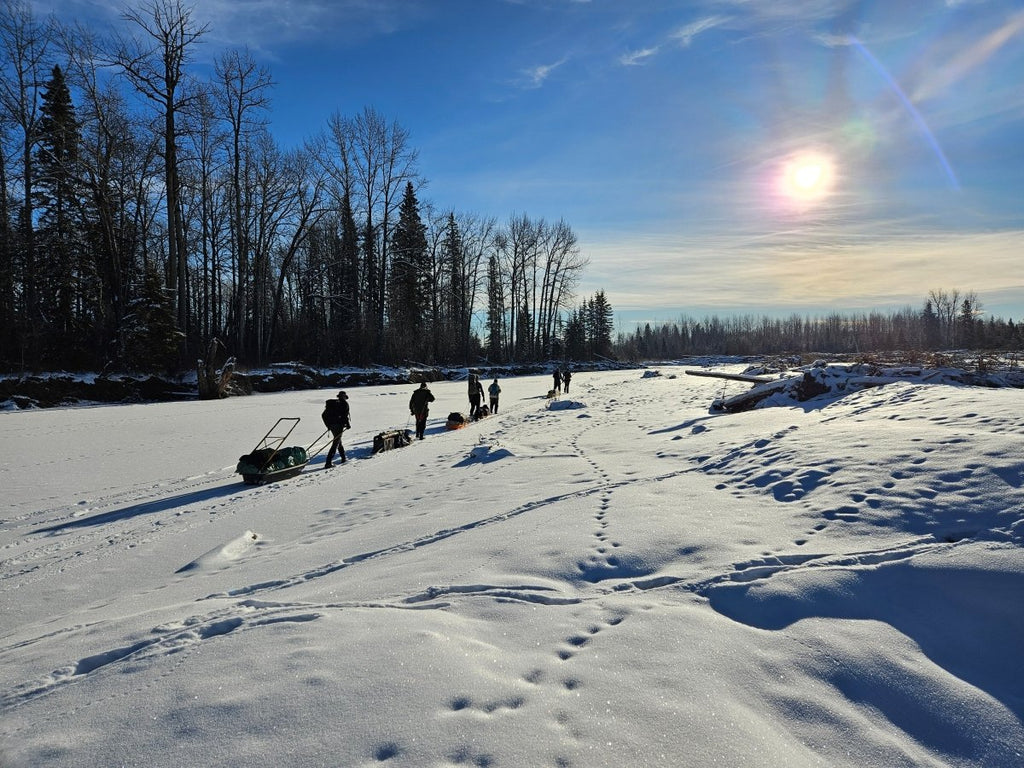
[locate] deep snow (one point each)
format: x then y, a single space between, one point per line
622 579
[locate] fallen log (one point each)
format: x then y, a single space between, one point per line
749 399
733 376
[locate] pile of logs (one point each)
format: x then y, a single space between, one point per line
801 387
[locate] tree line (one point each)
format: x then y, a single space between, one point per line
147 214
947 319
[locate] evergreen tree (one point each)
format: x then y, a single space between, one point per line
524 333
149 336
409 302
58 201
967 322
457 304
575 336
930 329
495 311
602 325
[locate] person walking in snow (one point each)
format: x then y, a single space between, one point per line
494 390
336 419
476 395
566 378
419 406
557 388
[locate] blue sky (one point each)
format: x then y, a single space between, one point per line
714 156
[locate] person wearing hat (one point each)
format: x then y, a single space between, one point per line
419 406
476 395
336 419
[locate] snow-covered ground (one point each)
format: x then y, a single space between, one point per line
624 579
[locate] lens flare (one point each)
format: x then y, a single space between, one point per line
954 183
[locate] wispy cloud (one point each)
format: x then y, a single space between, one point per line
535 77
971 57
699 274
637 58
834 41
685 35
266 24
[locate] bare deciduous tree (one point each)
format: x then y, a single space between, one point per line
242 89
24 47
155 64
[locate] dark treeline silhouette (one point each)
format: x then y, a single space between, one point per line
150 216
948 319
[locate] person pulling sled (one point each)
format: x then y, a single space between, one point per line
419 407
336 419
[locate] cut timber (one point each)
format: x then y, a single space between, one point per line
748 400
800 389
734 376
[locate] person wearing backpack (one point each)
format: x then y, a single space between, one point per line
493 391
476 395
419 406
336 419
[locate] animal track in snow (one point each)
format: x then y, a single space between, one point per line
163 640
525 593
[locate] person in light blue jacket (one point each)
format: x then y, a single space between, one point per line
493 391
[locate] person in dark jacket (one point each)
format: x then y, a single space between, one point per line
557 388
566 378
419 406
494 390
336 419
476 395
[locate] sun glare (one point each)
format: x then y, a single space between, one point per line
807 177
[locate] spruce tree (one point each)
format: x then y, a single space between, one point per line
149 336
524 333
968 323
495 311
603 324
409 301
58 201
575 337
457 304
930 326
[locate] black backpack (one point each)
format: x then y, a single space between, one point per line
333 415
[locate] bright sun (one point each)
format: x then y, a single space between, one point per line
807 177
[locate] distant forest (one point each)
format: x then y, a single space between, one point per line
948 320
149 217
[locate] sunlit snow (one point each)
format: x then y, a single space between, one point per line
619 578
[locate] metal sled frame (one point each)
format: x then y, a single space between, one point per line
274 439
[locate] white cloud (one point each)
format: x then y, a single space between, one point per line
534 77
834 41
727 274
685 35
636 58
